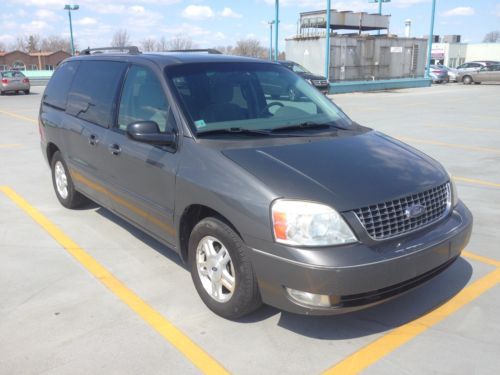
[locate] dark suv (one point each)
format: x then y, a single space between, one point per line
268 200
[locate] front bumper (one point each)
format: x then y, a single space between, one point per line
357 276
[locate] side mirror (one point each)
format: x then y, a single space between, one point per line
149 132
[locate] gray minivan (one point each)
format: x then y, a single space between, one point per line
268 200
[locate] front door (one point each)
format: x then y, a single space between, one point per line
143 175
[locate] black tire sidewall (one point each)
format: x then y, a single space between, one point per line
246 297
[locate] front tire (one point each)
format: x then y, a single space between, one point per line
467 80
221 270
63 183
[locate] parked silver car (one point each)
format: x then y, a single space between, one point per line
489 73
473 66
13 80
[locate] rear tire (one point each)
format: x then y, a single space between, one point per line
221 269
63 183
467 80
477 83
17 92
26 92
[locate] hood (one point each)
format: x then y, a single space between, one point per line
312 76
346 172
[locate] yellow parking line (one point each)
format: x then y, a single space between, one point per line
173 335
21 117
10 145
475 181
481 258
451 145
389 342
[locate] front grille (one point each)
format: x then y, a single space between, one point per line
391 219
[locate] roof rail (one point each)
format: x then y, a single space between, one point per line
131 50
211 51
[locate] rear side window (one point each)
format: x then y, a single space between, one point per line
93 92
57 89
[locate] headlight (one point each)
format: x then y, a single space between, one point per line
454 195
308 224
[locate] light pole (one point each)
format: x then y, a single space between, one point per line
69 8
276 21
431 37
328 47
271 23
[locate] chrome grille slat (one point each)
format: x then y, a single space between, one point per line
388 219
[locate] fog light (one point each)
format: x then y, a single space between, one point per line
309 299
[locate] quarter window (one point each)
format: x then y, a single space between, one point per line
143 99
94 90
56 92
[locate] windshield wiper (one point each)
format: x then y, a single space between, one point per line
253 132
310 125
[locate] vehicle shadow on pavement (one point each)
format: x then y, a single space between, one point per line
376 319
385 316
143 237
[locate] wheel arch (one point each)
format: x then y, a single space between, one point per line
50 150
191 216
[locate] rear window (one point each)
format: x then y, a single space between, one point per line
94 90
12 74
57 89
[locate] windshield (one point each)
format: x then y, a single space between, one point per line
299 69
250 96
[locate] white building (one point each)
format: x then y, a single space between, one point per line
455 54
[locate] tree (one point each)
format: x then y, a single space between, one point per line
492 37
55 43
120 38
162 44
32 43
226 50
250 47
180 42
148 44
19 44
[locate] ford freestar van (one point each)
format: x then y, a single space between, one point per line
270 199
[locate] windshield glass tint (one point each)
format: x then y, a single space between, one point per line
256 96
299 69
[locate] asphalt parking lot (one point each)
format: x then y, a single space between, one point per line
84 292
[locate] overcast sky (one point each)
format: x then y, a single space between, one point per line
222 22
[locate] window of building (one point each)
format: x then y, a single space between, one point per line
461 60
33 67
452 62
3 67
49 67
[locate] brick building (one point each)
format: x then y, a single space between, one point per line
31 61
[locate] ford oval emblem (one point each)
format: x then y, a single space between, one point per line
414 211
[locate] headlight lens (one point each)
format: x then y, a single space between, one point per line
454 195
302 223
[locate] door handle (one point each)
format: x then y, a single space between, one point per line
93 139
115 149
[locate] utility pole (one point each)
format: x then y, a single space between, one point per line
271 23
431 38
328 46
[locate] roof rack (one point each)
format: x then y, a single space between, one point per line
210 51
131 50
